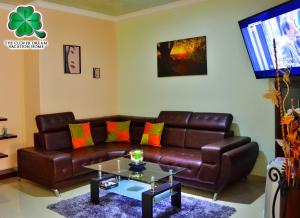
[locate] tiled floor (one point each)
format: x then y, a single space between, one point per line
26 199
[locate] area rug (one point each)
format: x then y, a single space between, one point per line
117 206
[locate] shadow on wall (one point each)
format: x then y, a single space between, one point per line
235 128
260 161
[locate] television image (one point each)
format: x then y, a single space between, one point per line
282 24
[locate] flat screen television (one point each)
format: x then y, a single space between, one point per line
281 23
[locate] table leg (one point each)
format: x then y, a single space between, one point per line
95 191
147 205
94 184
176 199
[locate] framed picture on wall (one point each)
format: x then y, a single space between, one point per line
72 59
96 73
182 57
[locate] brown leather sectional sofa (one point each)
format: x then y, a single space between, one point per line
200 142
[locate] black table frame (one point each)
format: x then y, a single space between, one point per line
147 196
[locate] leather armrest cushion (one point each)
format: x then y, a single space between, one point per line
42 164
211 153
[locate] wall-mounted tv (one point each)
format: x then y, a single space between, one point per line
281 23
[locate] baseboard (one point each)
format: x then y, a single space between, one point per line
4 174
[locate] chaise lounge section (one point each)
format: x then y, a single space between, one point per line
200 142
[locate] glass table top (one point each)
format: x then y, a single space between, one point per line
152 172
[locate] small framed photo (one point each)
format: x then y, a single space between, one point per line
72 59
96 73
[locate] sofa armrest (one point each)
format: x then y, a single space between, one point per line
45 167
211 153
237 163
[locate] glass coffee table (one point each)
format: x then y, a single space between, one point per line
138 182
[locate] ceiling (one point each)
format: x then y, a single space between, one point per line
108 7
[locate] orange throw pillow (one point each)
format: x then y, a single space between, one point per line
118 131
152 134
81 135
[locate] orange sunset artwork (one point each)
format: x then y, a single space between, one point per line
182 57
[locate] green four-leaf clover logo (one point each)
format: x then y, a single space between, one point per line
26 22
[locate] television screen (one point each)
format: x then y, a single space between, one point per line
281 23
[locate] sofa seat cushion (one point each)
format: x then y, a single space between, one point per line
151 154
86 156
117 149
187 158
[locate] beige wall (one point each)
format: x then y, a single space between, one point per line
11 95
32 93
85 96
230 85
33 82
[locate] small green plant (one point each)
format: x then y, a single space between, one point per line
137 154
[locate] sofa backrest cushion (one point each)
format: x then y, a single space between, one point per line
175 127
54 130
193 130
174 118
210 121
54 122
197 138
173 137
56 140
99 134
205 128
